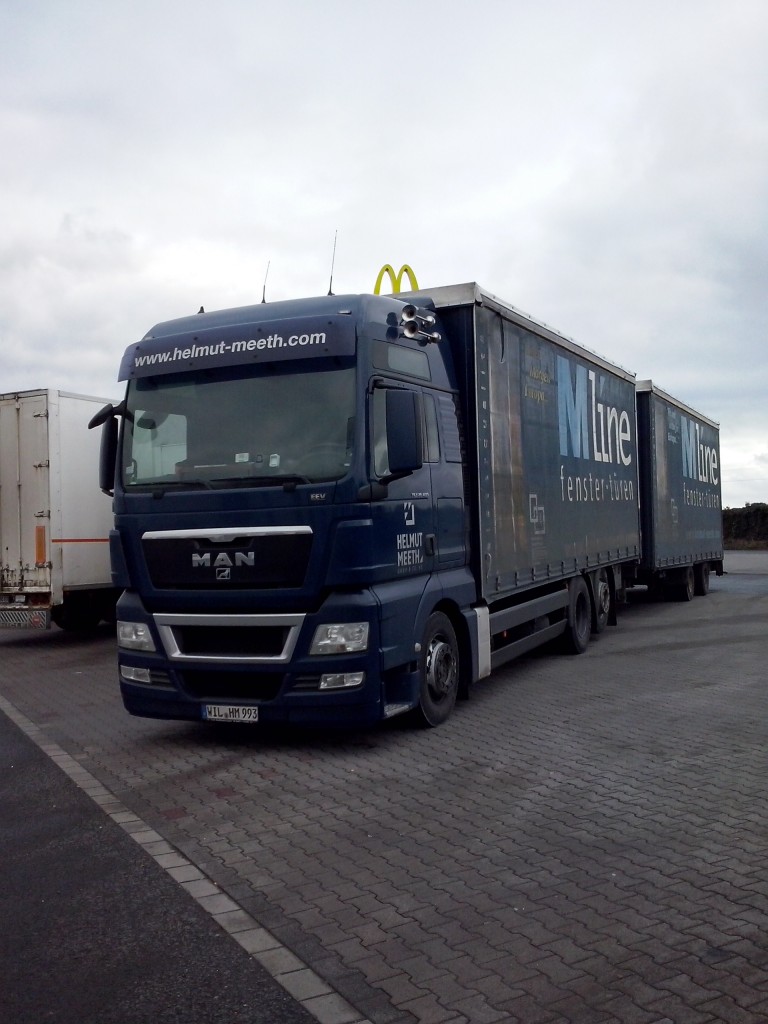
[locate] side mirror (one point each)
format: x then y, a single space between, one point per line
404 432
108 456
103 415
106 418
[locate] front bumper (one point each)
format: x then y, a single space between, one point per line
252 660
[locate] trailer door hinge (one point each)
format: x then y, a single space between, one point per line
43 514
40 415
41 465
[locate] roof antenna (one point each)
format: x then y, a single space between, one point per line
264 288
333 261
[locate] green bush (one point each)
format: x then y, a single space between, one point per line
746 527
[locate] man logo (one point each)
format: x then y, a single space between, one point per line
396 279
223 559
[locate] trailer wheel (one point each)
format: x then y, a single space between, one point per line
701 579
439 671
686 587
576 636
603 600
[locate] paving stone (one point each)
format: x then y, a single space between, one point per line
427 1009
728 1011
524 1010
678 1011
574 1010
627 1011
688 990
585 836
401 989
477 1010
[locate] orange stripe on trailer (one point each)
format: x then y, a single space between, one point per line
40 545
79 540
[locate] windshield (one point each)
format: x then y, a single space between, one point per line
220 428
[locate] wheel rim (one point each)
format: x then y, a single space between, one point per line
603 598
440 669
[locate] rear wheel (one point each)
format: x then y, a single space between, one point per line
603 601
685 588
701 579
576 636
439 670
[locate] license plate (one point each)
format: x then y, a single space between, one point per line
230 713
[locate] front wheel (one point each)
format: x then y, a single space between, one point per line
439 670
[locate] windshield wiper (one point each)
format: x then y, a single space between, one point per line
166 485
287 482
159 487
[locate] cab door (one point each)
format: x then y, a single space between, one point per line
406 535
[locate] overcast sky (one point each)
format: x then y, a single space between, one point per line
600 165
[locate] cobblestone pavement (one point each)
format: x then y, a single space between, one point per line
584 841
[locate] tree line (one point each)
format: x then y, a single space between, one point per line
746 527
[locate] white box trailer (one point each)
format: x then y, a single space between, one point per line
54 519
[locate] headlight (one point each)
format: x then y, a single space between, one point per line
135 636
340 638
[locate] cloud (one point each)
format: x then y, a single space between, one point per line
599 165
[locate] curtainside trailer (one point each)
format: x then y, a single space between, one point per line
680 495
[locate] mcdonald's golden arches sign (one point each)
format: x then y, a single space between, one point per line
396 279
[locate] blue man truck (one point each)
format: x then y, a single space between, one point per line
335 510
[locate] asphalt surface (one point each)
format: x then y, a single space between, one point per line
94 931
583 842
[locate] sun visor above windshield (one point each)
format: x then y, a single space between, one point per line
236 344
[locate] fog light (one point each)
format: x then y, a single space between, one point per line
135 675
341 680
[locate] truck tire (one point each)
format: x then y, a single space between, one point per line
439 671
682 586
701 579
603 600
579 629
685 587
